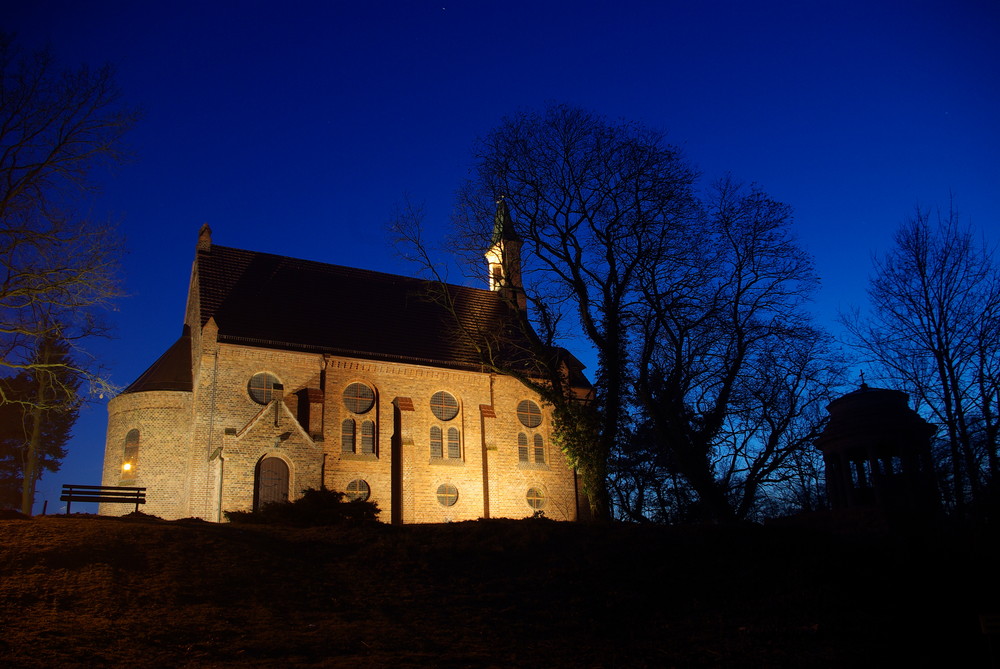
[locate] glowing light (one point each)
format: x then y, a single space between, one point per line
127 466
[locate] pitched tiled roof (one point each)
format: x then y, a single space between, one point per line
172 371
269 300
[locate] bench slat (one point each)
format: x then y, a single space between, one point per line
128 498
98 498
68 486
108 493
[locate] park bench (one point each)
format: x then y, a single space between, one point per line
102 493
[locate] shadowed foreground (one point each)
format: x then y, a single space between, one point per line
141 592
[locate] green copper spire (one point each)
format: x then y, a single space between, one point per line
503 224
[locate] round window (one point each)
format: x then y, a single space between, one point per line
536 498
261 387
358 490
359 398
447 494
444 405
529 414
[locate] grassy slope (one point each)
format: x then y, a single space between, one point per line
88 591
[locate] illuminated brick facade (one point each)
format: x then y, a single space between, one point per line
237 408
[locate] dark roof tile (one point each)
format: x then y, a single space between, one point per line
265 299
172 371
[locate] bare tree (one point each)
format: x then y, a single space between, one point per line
731 373
37 420
709 374
511 345
933 328
594 202
56 267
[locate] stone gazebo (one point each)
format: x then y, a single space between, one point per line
877 454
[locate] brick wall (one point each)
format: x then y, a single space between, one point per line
163 419
196 444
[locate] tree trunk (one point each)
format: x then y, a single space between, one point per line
31 462
595 485
35 437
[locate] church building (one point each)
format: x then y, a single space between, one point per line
291 374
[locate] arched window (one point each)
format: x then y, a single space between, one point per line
437 443
368 437
347 436
530 445
359 399
261 387
445 407
130 456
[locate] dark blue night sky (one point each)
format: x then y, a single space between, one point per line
294 127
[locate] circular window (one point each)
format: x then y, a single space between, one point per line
444 405
261 387
358 490
359 398
529 414
447 494
536 498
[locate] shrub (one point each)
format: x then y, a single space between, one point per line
315 508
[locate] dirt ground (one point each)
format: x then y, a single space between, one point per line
86 591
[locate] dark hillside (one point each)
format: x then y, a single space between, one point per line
139 592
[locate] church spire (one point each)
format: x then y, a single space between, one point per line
503 224
504 257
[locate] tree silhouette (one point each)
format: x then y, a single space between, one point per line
709 373
56 268
731 374
933 328
595 202
36 421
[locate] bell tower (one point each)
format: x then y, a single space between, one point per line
503 258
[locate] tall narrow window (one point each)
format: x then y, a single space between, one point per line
368 437
454 447
347 436
437 445
522 447
130 458
539 449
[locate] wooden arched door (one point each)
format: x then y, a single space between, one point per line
272 482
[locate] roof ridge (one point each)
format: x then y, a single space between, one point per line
349 270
